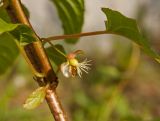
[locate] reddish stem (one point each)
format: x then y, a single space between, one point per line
37 58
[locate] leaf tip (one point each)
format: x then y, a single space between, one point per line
105 9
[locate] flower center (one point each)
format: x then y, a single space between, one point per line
73 62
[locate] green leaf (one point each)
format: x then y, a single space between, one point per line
4 15
8 52
8 47
36 98
26 39
5 27
121 25
71 13
24 35
54 55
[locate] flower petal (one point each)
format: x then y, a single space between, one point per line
65 69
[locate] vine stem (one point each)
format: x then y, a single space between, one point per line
36 57
69 36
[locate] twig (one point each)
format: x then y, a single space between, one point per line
74 35
35 55
55 106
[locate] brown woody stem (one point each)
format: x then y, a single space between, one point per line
55 106
35 55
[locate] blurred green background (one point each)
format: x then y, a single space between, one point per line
123 83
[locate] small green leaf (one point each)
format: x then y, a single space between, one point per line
54 55
26 39
8 52
71 13
24 35
36 98
121 25
5 27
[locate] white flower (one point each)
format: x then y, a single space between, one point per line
72 67
83 66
